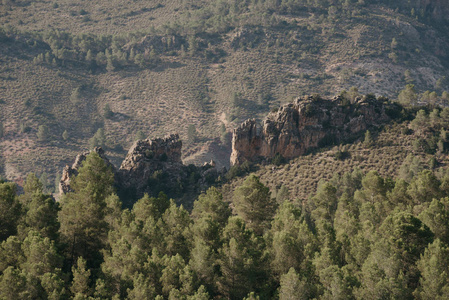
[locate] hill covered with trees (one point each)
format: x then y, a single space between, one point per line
361 217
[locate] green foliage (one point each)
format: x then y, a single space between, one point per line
13 285
107 112
291 242
240 261
293 288
434 268
436 217
75 96
40 210
192 134
10 208
139 136
254 204
278 160
239 170
408 95
358 236
368 141
80 284
82 215
98 140
65 135
43 133
342 154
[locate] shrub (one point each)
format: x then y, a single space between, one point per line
342 155
309 110
239 170
42 133
107 112
278 159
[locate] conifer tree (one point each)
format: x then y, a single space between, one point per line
82 215
434 268
80 284
241 262
292 244
13 285
293 288
436 216
10 209
254 204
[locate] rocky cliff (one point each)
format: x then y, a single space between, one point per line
151 166
149 159
307 123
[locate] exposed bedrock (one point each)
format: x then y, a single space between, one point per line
309 122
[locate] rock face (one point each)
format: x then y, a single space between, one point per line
149 167
69 171
307 123
145 157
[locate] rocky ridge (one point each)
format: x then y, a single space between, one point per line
144 158
309 122
150 166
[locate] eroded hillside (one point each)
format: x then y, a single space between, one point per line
71 71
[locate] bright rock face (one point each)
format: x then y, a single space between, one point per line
307 123
148 156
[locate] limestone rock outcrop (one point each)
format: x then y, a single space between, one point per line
151 166
145 157
309 122
70 171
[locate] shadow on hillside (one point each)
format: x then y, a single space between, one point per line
168 65
117 117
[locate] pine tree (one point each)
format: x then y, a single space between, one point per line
98 140
139 135
192 134
240 260
291 242
13 285
42 133
434 268
107 112
176 222
368 141
80 283
436 216
10 209
253 203
41 215
82 215
41 255
293 288
408 95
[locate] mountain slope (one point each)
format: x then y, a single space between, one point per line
165 67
